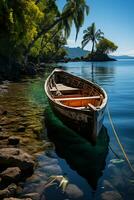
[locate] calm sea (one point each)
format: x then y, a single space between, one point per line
93 172
117 179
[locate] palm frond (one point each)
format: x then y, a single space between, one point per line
90 34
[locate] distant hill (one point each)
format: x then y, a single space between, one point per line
122 57
75 52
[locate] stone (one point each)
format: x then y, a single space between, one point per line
21 129
9 191
73 191
14 157
108 185
11 175
13 140
111 195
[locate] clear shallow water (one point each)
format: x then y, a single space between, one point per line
89 169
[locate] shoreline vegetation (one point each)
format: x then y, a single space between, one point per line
28 38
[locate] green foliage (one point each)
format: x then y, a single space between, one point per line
93 35
106 46
74 12
49 47
36 28
19 21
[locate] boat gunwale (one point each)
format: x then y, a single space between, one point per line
104 102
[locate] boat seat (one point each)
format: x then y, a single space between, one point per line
62 87
77 98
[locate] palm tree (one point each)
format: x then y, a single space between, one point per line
73 12
93 35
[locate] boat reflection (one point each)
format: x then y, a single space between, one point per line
87 160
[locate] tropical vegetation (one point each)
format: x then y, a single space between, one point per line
92 35
101 46
35 30
105 46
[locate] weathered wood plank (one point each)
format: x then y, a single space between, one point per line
77 98
62 87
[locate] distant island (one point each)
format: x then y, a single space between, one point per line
77 53
122 57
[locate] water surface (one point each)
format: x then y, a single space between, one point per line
90 170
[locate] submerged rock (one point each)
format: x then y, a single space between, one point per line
11 175
12 157
111 195
9 191
13 140
21 129
108 185
73 191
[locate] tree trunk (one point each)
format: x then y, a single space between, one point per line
92 47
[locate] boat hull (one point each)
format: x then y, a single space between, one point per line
86 120
81 122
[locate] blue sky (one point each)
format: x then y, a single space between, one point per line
115 18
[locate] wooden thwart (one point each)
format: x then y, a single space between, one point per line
77 98
62 87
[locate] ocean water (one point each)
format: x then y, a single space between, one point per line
93 172
117 78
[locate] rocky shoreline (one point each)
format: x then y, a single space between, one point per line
19 129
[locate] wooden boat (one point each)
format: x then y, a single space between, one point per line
79 103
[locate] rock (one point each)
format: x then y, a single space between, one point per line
33 196
73 191
116 176
13 157
49 145
111 195
13 140
108 185
9 191
21 129
11 175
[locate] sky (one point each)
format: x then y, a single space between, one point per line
114 17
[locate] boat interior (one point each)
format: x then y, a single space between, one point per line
76 97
